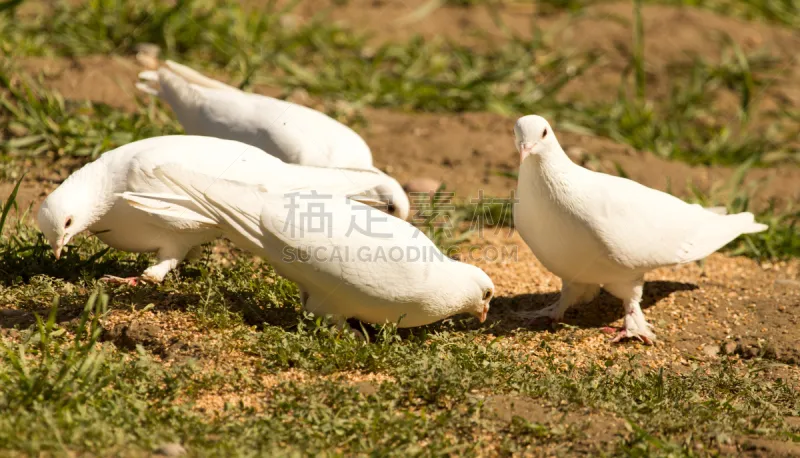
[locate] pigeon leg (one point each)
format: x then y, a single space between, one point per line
303 296
571 294
195 253
636 326
168 259
589 293
312 304
341 323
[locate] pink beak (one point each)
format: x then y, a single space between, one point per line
525 150
483 315
57 248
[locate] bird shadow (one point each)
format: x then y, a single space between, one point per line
229 300
507 311
22 264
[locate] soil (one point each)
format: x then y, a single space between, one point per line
589 428
701 313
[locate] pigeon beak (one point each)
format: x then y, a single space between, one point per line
57 247
525 150
481 316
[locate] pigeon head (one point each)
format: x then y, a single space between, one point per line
479 292
69 210
534 136
57 222
399 205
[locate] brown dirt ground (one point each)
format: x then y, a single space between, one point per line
701 313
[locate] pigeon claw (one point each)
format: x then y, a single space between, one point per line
130 281
622 334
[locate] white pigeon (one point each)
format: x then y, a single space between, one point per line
348 259
88 198
595 230
293 133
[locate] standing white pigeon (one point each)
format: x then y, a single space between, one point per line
593 229
348 259
291 132
88 199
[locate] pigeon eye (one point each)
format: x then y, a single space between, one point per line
487 294
68 223
391 208
544 134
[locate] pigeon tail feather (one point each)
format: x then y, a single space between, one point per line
716 234
180 95
192 76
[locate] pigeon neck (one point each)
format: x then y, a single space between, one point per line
546 174
463 297
552 162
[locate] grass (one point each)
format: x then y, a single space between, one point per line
782 12
520 76
439 386
40 122
442 386
225 363
781 238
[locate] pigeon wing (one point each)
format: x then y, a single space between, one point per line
643 228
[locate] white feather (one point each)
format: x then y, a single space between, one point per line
293 133
90 198
344 274
595 229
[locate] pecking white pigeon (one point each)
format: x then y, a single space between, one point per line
595 230
348 259
293 133
88 199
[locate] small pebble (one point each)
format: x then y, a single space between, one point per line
289 21
171 449
147 55
428 185
711 350
151 49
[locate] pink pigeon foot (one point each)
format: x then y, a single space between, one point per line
130 281
622 333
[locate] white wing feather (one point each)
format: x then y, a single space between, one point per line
262 221
643 228
292 132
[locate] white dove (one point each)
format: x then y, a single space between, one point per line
293 133
348 259
88 198
593 229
